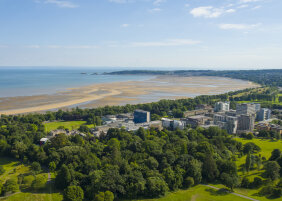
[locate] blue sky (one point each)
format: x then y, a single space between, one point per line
206 34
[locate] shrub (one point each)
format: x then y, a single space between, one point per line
188 182
10 186
73 193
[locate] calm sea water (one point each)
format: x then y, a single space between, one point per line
36 81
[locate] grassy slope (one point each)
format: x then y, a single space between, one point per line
267 147
12 169
197 193
67 124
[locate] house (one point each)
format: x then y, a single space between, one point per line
43 141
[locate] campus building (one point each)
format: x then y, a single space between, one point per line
141 116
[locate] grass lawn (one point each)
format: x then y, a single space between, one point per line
197 193
67 124
12 169
267 146
35 197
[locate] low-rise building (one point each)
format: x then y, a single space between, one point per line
197 120
43 141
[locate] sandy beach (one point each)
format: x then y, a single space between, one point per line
121 93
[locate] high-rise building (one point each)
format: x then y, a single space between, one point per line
264 114
230 123
246 108
222 106
141 116
246 122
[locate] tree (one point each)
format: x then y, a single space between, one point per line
230 180
104 196
52 166
2 170
189 182
11 185
84 129
248 163
109 196
194 170
275 154
210 171
73 193
251 148
63 178
36 167
156 186
272 169
39 182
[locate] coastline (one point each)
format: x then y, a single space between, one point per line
121 93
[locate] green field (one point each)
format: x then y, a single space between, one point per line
71 125
12 169
267 146
197 193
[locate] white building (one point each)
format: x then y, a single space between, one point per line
222 106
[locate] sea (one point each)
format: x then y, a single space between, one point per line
29 81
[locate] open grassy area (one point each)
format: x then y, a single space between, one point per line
67 124
197 193
267 146
14 168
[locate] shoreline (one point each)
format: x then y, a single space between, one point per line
121 93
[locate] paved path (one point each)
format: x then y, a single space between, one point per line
49 182
236 194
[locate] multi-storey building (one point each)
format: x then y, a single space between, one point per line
141 116
264 114
230 123
222 106
246 108
246 122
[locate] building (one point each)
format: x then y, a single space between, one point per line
246 122
173 124
222 106
156 124
197 120
264 114
43 141
141 116
246 108
257 106
229 123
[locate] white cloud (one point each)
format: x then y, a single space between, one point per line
243 6
155 10
210 11
125 25
166 43
60 3
238 26
256 7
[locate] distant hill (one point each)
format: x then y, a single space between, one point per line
272 77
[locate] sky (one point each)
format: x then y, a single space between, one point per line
183 34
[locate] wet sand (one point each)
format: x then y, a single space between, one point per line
121 93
